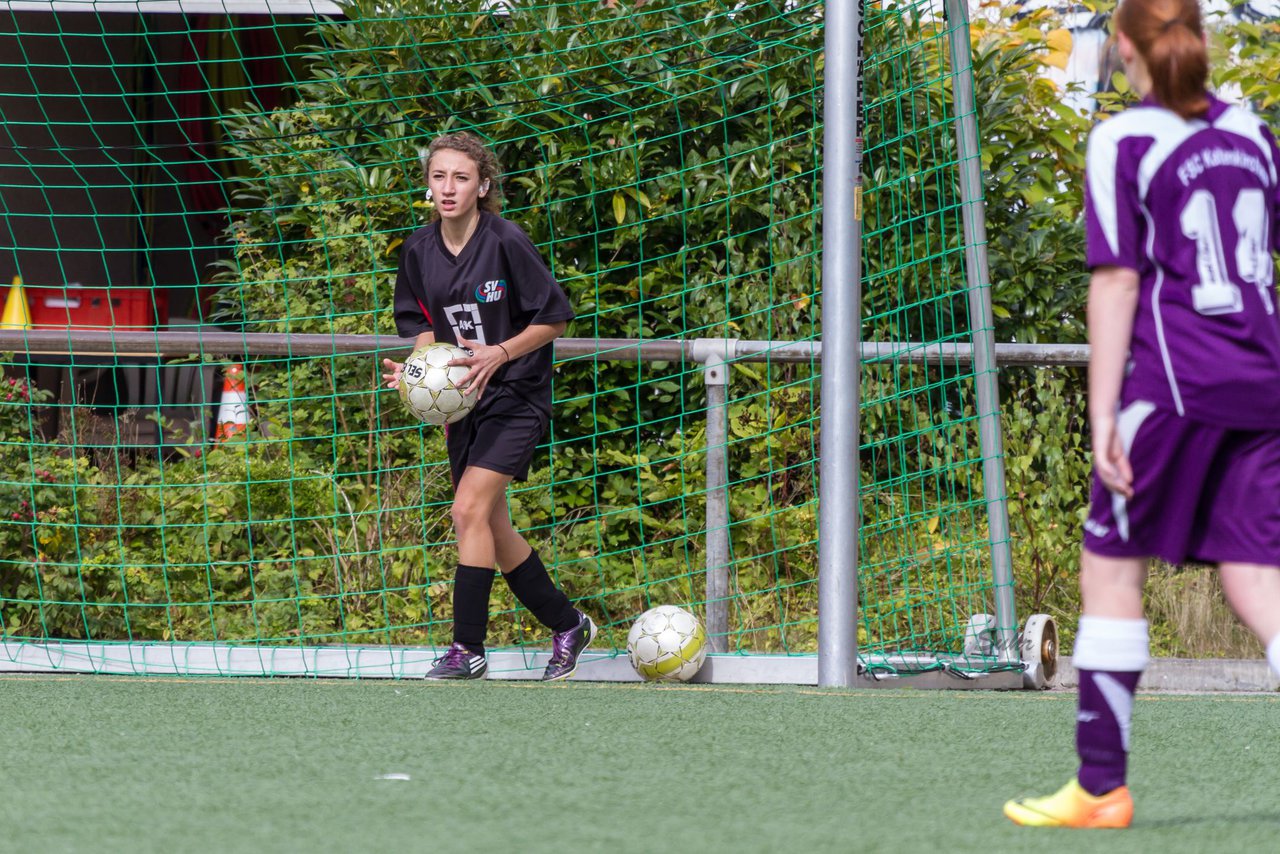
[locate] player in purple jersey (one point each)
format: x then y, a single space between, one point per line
1182 217
474 279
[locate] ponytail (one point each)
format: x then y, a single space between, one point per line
1169 35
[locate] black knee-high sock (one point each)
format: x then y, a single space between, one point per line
471 587
537 592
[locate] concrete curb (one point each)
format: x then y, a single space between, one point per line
1190 675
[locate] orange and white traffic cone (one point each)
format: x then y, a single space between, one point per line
233 409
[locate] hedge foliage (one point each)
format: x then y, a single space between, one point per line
672 203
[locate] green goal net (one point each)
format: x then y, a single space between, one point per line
202 214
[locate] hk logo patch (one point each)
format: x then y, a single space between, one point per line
492 290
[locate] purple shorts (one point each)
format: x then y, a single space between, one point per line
1201 493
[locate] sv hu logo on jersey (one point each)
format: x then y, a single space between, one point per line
492 290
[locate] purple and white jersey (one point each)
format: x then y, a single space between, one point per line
1193 207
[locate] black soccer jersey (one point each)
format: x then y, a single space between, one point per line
495 288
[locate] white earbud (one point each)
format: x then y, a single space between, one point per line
428 194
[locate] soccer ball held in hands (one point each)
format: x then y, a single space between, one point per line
428 385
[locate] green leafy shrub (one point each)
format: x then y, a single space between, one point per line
673 199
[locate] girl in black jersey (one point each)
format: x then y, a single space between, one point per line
474 279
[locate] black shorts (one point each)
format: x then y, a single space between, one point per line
501 435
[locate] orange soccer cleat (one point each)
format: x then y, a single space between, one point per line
1072 806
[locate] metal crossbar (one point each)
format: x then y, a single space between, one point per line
185 343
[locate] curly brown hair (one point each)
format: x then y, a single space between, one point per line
486 164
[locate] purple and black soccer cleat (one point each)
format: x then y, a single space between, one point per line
566 647
459 663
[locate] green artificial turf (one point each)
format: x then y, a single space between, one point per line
139 764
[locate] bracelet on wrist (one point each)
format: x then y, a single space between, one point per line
504 352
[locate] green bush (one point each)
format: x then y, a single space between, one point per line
692 214
665 160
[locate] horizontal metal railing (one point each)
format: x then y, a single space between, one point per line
107 342
711 353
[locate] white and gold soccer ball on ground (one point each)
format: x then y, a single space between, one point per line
667 644
428 385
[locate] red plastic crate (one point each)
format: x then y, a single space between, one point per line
101 308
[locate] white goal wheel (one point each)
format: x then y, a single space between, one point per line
980 635
1039 650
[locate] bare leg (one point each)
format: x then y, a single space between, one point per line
477 494
1253 591
511 548
1111 587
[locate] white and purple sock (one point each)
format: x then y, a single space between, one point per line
1273 654
1110 655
